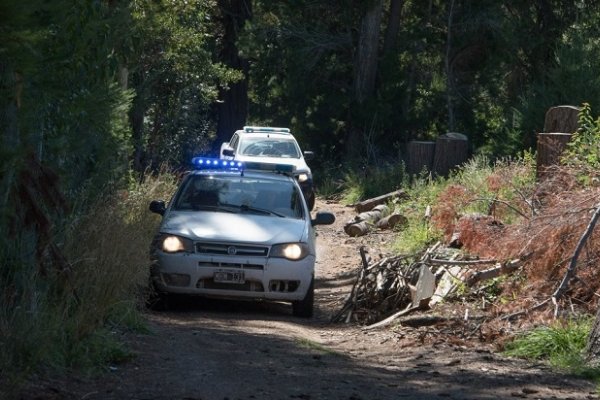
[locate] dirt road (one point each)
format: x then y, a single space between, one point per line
230 350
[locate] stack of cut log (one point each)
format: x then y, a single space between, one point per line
394 286
374 213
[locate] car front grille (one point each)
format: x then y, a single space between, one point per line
230 265
231 249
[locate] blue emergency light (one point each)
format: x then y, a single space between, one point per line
215 163
228 165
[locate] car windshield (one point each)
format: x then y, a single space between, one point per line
240 194
269 147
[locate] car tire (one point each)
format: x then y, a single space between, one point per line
304 308
310 201
158 300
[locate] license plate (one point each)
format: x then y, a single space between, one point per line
229 277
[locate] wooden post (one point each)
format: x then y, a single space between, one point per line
451 150
419 156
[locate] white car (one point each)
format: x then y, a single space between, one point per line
234 232
272 145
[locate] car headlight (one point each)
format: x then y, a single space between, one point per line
290 251
175 244
302 177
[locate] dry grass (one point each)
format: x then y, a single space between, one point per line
541 225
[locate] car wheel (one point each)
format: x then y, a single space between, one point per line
158 300
304 308
310 201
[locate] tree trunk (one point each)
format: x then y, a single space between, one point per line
449 77
366 60
420 156
365 71
233 108
391 34
136 117
9 129
592 351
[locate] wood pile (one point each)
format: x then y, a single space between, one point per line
397 285
374 213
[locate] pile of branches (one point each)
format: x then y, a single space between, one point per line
385 286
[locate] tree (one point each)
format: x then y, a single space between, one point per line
175 81
233 99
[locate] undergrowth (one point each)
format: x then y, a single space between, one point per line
562 344
55 317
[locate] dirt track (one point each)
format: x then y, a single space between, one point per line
236 350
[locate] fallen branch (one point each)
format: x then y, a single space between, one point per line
503 269
573 263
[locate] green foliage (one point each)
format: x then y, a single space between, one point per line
175 79
562 344
419 233
583 150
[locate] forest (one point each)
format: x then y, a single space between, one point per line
98 95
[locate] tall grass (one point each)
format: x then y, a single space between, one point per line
562 344
66 319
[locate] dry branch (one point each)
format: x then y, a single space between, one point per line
573 263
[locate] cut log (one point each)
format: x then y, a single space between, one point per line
564 119
392 220
419 156
358 228
451 150
362 223
369 204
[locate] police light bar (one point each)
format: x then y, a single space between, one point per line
215 163
227 165
251 129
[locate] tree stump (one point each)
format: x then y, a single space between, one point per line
563 119
419 156
550 147
451 150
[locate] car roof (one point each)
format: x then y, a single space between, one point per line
273 135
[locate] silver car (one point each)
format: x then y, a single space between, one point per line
272 145
234 232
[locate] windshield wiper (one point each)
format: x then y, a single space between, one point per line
247 208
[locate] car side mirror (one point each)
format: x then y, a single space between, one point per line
309 155
323 218
158 207
228 152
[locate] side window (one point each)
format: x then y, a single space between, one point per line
234 142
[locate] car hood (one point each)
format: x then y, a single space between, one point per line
230 227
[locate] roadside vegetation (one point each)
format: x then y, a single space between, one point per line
55 318
503 211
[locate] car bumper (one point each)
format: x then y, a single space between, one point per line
252 278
